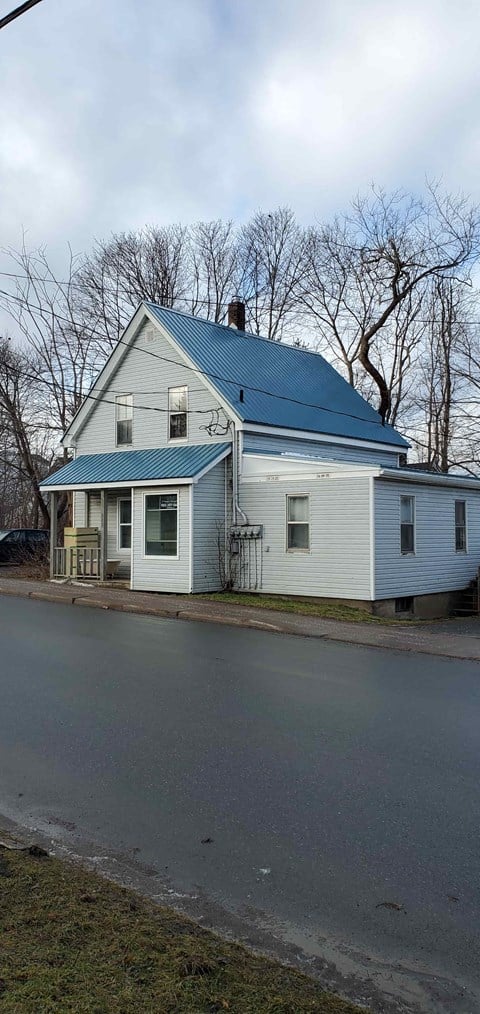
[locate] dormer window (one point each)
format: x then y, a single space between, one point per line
123 419
177 413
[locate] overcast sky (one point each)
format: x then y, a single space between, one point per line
118 113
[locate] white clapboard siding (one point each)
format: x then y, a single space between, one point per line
79 510
162 574
435 567
209 509
94 511
139 374
323 450
338 563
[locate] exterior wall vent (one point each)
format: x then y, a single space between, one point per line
404 605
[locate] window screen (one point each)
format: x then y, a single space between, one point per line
177 413
124 418
298 525
407 524
460 526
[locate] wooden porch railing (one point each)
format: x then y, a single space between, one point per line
77 562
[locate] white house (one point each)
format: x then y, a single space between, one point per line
203 450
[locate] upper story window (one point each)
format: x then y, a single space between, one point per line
460 526
123 418
298 523
407 524
177 413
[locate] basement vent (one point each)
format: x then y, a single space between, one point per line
404 605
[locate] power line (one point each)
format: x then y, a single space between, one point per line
211 375
17 12
84 287
105 401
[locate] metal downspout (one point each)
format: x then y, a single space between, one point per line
235 473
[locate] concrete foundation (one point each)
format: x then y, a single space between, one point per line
423 607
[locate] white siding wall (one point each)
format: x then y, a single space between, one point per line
94 514
139 373
435 567
162 575
263 443
79 510
209 527
338 564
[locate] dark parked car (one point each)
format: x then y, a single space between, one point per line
20 544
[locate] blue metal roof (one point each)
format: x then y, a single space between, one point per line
282 385
137 466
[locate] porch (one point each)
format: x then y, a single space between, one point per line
98 546
151 518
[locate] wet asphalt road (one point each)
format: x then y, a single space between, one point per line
331 778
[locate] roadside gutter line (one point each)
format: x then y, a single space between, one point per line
382 640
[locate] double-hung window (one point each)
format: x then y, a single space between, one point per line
298 523
123 418
161 524
407 524
460 526
124 524
177 413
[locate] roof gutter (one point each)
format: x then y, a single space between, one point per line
428 478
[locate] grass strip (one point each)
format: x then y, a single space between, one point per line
73 942
302 607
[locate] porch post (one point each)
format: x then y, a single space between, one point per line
53 531
103 534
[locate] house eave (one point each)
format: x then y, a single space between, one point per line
328 438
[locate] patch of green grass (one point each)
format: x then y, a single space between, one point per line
278 603
72 942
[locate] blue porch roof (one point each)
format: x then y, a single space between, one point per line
281 385
184 462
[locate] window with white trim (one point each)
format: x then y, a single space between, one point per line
177 413
407 525
125 524
161 524
123 418
460 526
298 523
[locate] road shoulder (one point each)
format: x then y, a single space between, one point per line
445 638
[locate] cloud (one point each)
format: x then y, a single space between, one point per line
129 111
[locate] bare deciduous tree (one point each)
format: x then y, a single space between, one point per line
369 262
272 261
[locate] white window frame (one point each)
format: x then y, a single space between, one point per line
123 524
408 552
177 440
119 400
168 491
465 548
289 496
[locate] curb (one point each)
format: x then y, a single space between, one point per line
230 621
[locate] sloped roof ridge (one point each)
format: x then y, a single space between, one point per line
235 331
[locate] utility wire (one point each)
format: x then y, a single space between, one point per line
210 375
17 12
84 287
189 300
105 401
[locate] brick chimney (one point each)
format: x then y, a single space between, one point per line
236 314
